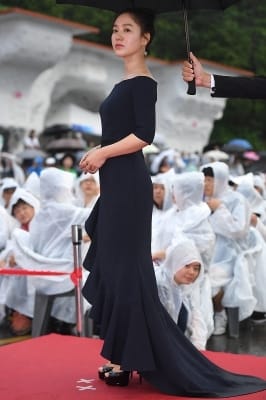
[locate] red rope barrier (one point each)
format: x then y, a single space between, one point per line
75 276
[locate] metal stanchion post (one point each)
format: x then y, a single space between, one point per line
76 240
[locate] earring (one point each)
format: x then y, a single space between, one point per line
145 53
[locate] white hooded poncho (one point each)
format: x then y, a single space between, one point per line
229 266
48 244
172 295
189 216
14 290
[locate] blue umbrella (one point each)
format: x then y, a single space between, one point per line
238 145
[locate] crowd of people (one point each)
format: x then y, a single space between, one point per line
208 241
224 216
36 219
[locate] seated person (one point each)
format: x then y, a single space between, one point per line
179 290
229 268
189 215
162 201
52 250
7 188
87 191
14 289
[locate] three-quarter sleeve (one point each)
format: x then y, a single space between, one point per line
144 99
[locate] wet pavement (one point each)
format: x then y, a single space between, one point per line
252 340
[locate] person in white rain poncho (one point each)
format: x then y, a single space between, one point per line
87 191
256 251
178 281
257 205
229 269
32 184
14 289
6 224
162 201
7 188
189 215
48 245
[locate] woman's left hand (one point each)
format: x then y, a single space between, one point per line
92 160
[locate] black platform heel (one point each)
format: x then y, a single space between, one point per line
117 378
102 371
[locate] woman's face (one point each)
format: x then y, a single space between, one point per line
127 38
188 274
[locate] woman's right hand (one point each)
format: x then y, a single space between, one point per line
92 160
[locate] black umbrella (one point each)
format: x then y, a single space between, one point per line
30 154
159 6
66 144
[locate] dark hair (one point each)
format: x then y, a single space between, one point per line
20 202
208 171
144 17
66 155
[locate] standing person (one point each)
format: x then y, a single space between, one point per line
31 141
138 333
224 86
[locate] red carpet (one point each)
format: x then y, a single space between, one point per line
56 367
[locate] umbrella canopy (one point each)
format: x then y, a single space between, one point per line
30 154
237 145
216 155
251 155
56 130
66 144
158 6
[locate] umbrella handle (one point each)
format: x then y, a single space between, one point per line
192 84
191 87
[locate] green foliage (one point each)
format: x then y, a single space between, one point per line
235 37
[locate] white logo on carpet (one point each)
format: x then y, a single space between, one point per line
85 382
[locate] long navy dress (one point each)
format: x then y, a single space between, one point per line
138 333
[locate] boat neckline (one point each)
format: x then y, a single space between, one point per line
137 76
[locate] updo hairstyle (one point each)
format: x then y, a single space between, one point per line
144 18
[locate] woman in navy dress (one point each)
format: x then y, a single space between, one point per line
138 333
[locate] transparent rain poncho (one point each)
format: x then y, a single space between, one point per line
189 216
158 213
256 252
229 267
48 245
172 295
14 290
